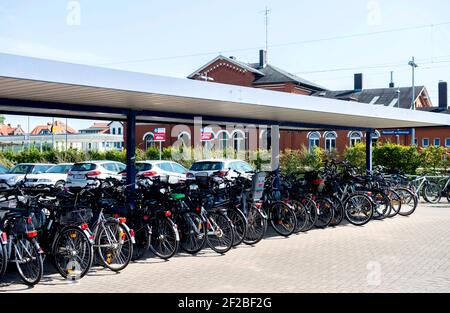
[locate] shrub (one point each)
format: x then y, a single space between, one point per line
356 156
397 158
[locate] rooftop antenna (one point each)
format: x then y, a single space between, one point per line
266 13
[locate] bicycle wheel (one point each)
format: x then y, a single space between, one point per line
358 209
395 201
256 226
338 207
325 213
301 215
311 211
282 218
72 252
240 225
192 230
220 232
28 261
432 193
3 260
165 239
409 201
114 246
382 205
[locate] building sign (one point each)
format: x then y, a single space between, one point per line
207 134
159 134
396 132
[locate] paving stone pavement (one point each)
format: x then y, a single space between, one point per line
395 255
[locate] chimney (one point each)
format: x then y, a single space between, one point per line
443 96
392 84
359 81
262 58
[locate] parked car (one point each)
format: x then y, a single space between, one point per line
18 172
225 167
80 172
54 176
160 168
3 169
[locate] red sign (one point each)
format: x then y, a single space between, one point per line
207 134
159 134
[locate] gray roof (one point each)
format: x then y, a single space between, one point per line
380 96
273 75
265 75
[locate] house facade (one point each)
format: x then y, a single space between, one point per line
229 70
99 137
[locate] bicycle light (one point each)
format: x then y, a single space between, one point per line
84 226
32 234
168 214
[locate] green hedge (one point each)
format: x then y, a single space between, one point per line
393 157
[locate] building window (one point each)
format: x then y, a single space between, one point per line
149 140
266 139
416 141
437 142
119 131
375 137
355 138
313 141
425 142
447 142
238 140
113 131
330 141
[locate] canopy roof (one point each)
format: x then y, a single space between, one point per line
36 86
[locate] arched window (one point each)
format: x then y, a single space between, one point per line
375 137
313 140
330 141
238 140
149 140
223 137
185 137
355 138
265 138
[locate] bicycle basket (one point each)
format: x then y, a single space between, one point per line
76 217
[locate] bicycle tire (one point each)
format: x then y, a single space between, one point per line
358 203
164 240
219 240
191 231
240 225
282 218
59 247
325 212
25 267
256 226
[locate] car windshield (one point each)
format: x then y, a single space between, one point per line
3 170
142 167
21 169
207 166
59 169
83 167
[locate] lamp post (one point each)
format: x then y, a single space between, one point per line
413 65
398 105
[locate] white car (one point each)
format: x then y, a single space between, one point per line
54 176
18 172
174 170
228 168
80 173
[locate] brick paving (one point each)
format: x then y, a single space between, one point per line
395 255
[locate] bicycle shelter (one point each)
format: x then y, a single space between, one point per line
38 87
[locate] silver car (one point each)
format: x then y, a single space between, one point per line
80 173
18 172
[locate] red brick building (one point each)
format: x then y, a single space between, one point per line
229 70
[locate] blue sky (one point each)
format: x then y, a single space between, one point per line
175 37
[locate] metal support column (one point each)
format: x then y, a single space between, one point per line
275 146
131 149
369 137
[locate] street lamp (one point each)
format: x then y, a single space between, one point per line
413 65
398 105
